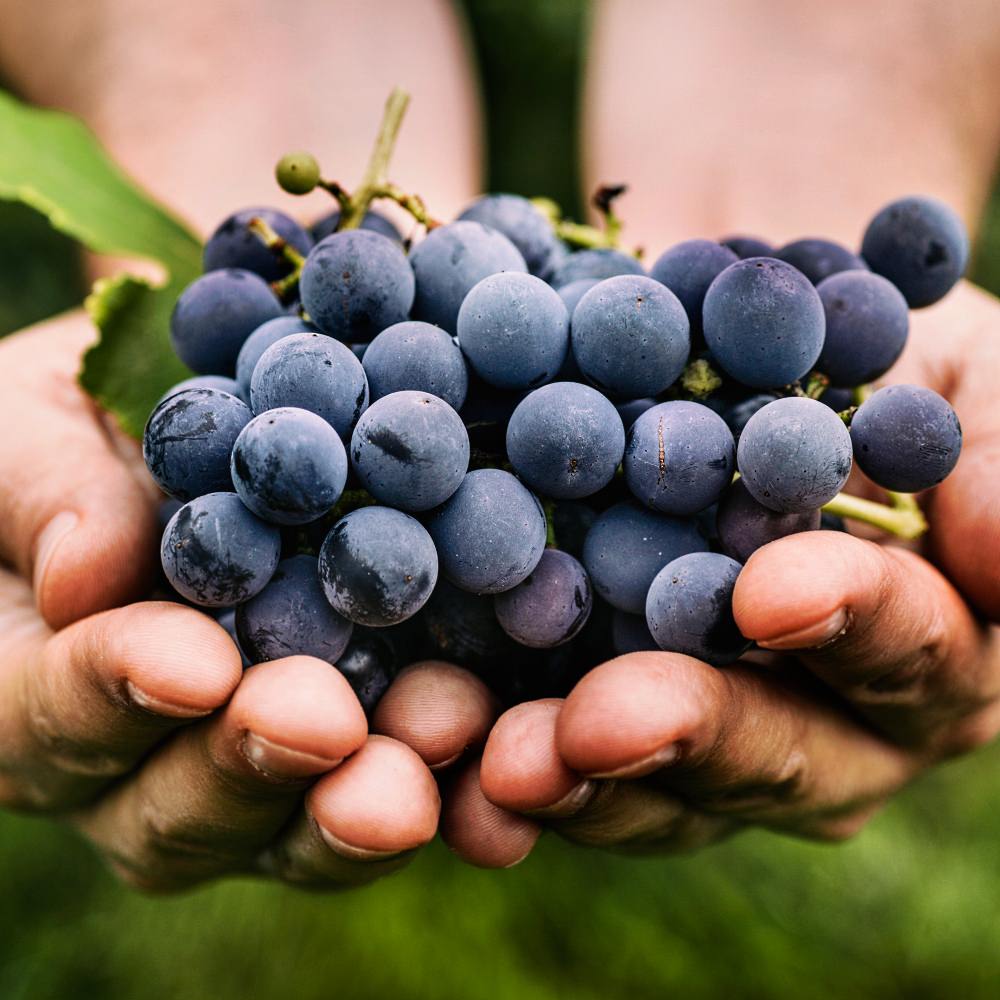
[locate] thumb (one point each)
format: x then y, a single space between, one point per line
74 518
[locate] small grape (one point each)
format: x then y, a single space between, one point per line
297 173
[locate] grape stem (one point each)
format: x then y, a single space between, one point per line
903 519
413 204
275 243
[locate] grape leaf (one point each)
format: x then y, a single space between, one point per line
53 163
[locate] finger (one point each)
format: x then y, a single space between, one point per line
751 745
362 821
210 800
82 707
878 624
437 709
73 517
480 832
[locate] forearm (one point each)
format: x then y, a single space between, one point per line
788 119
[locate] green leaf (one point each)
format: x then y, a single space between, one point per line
53 163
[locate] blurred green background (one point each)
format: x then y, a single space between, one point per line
910 909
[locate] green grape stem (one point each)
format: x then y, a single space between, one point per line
903 518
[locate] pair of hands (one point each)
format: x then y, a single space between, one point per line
138 726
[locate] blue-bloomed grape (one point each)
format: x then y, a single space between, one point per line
763 322
233 244
565 440
818 259
628 545
748 246
550 605
574 291
166 510
737 415
410 450
521 223
188 440
486 413
356 283
378 566
688 268
631 336
744 525
571 520
632 409
418 356
598 263
227 619
794 455
259 341
837 399
373 220
221 382
867 322
315 373
679 457
514 330
292 617
450 260
906 438
920 245
215 314
630 634
289 466
690 608
216 553
463 627
369 663
490 534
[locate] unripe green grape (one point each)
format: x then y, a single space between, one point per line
297 173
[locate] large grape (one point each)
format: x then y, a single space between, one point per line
373 220
600 264
818 259
370 662
233 244
738 414
748 246
221 382
744 525
521 223
259 341
574 291
688 268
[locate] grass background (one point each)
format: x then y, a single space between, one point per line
910 909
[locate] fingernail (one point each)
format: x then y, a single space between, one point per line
157 706
48 543
812 636
346 850
277 761
570 804
442 764
666 755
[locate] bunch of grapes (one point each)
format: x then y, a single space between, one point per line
525 455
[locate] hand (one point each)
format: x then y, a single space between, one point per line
137 724
879 663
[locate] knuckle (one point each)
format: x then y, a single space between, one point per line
168 835
838 829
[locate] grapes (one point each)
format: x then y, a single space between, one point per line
490 534
627 547
818 259
417 356
688 268
374 221
188 439
356 283
794 455
550 605
370 662
690 608
463 627
600 264
292 617
763 322
867 322
920 245
906 438
450 261
679 457
315 373
565 440
289 466
410 450
744 525
748 246
216 553
630 634
221 382
234 244
215 314
521 223
297 173
514 329
378 566
737 415
632 409
258 342
631 336
574 291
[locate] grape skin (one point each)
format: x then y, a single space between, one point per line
630 336
490 534
378 566
550 606
574 291
817 259
679 457
410 450
188 440
748 246
565 440
289 466
744 525
794 455
632 409
600 263
690 608
221 382
292 617
370 663
521 223
627 547
234 244
259 341
373 220
906 438
737 415
688 268
630 634
418 356
216 553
